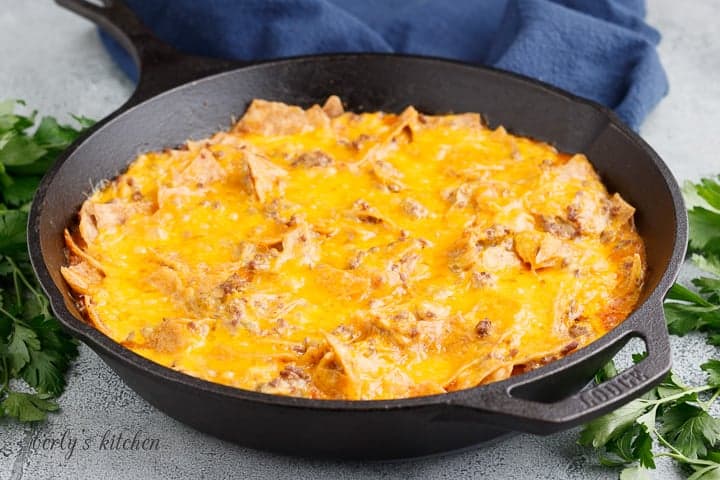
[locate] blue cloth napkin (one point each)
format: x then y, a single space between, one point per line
598 49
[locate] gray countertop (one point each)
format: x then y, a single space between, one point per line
54 60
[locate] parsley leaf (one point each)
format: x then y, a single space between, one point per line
635 443
709 260
27 407
712 368
704 226
50 133
611 426
687 311
704 217
20 191
12 231
33 348
45 371
20 150
634 473
709 190
710 287
690 429
22 341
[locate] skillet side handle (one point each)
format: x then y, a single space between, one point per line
500 407
160 65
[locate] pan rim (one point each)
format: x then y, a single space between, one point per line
103 344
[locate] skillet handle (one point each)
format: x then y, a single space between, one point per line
501 403
160 66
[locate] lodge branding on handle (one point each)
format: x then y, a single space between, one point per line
612 388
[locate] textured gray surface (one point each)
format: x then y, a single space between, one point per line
54 61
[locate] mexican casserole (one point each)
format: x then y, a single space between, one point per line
336 255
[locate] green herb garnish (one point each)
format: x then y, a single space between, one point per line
675 420
673 416
34 353
687 310
703 201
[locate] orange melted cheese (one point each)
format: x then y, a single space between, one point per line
327 254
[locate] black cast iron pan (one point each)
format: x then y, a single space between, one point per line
181 97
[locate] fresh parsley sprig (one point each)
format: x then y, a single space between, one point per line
675 420
687 310
34 352
703 199
672 415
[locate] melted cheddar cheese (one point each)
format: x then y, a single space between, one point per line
334 255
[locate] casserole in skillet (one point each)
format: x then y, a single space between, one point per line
180 97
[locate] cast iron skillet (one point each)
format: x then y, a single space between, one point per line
181 97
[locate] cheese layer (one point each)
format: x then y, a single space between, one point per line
327 254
